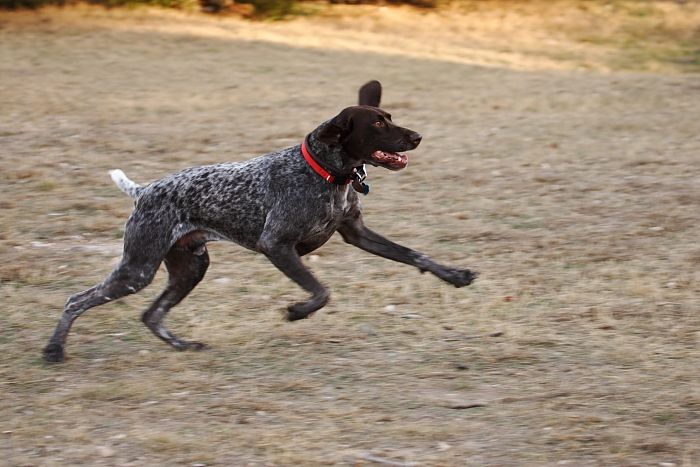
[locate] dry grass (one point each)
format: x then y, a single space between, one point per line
575 193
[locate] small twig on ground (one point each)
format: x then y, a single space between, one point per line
471 405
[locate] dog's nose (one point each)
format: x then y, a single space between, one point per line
416 139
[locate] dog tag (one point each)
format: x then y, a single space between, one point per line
358 180
360 187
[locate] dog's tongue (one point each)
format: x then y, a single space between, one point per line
390 160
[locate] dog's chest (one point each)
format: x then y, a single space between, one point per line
339 202
337 207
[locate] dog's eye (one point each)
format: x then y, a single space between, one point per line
379 124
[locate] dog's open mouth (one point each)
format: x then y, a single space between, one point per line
390 160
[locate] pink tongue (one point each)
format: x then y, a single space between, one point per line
392 160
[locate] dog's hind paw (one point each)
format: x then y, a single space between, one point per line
197 346
53 353
189 345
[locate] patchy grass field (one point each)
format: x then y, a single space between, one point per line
576 194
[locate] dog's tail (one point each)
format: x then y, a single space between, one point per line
370 94
125 184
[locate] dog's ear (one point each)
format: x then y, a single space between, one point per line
337 130
371 93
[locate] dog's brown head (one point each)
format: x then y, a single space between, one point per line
368 135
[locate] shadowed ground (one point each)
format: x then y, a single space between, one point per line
576 194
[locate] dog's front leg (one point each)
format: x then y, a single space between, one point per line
356 233
287 260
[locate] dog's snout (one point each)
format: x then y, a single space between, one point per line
415 138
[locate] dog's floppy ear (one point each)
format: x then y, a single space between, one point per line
337 130
371 93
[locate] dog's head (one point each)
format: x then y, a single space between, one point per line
368 136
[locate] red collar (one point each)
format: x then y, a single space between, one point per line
327 176
357 177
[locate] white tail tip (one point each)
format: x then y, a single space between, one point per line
124 183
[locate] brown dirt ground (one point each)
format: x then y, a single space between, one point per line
575 193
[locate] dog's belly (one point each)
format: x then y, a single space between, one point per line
314 242
246 230
241 228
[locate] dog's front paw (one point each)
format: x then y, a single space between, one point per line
53 353
298 311
461 277
303 310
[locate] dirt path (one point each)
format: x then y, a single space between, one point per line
576 194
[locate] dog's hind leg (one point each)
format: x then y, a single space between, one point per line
145 245
127 278
186 268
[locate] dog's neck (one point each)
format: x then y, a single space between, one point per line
331 157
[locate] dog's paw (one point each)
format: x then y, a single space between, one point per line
197 346
462 277
190 345
303 310
297 311
53 353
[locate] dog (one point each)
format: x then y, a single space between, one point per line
284 205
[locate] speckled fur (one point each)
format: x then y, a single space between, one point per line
233 201
274 204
